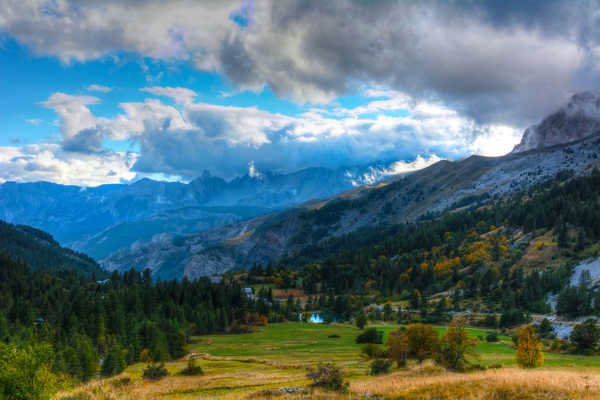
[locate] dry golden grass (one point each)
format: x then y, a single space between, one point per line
542 250
501 384
256 366
425 382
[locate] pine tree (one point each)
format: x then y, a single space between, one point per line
114 363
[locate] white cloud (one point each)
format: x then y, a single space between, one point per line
179 94
49 162
34 121
73 111
503 65
98 88
79 128
376 174
229 139
234 140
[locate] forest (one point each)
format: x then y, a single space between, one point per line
75 326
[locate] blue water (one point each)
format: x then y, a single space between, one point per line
318 318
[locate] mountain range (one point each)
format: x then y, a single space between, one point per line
211 225
564 141
101 220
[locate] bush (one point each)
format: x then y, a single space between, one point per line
26 372
492 337
328 376
585 336
121 382
155 372
192 369
381 366
490 321
371 335
371 350
237 327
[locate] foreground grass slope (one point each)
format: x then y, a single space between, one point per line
257 365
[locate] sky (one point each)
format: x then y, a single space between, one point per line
98 92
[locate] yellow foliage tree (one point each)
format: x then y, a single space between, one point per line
456 348
529 349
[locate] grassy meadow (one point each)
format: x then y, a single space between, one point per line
255 365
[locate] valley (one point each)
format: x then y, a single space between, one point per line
299 200
475 277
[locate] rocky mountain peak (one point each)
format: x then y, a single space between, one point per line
579 118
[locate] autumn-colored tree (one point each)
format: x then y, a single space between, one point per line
529 348
397 342
456 347
422 341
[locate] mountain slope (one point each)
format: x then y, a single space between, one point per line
40 251
398 200
100 220
579 118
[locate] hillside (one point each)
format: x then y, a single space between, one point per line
577 119
440 187
100 220
40 251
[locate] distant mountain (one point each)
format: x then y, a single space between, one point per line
445 185
579 118
40 251
100 220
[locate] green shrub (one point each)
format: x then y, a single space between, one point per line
192 369
370 335
492 337
155 372
381 366
328 376
26 372
121 382
371 350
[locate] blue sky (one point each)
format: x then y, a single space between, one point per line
106 92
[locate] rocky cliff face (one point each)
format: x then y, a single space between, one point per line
579 118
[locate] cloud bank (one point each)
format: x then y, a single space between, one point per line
197 136
504 63
444 78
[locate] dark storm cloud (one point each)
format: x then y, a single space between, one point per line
507 63
496 61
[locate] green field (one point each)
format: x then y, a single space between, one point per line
301 344
279 355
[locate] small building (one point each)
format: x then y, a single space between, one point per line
249 293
